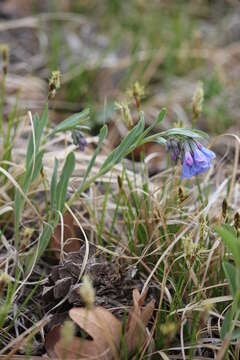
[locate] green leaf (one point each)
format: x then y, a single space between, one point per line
231 242
226 324
30 148
53 186
231 275
159 119
38 125
235 334
38 165
61 190
142 234
44 240
161 115
126 146
193 133
160 140
72 122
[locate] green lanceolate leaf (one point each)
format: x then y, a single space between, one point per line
38 126
159 119
231 274
61 189
73 122
235 334
231 242
38 165
30 148
44 239
126 146
226 323
193 133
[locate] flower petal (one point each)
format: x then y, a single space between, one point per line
188 158
208 153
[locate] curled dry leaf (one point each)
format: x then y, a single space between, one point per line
70 232
138 318
100 324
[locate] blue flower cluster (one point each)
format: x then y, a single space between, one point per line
196 161
195 158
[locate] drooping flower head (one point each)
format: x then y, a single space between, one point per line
195 158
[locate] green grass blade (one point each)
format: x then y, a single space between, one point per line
102 136
53 186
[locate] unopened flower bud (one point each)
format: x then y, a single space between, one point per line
174 146
79 140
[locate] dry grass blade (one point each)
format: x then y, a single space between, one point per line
138 318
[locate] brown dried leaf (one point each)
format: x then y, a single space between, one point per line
51 339
70 231
136 334
100 324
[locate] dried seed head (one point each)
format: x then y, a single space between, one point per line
202 228
67 333
190 248
237 221
126 114
4 49
87 292
181 196
54 84
197 100
120 182
224 208
4 279
169 328
137 92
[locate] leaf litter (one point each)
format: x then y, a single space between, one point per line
105 330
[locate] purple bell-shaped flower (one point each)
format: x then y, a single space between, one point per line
196 159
